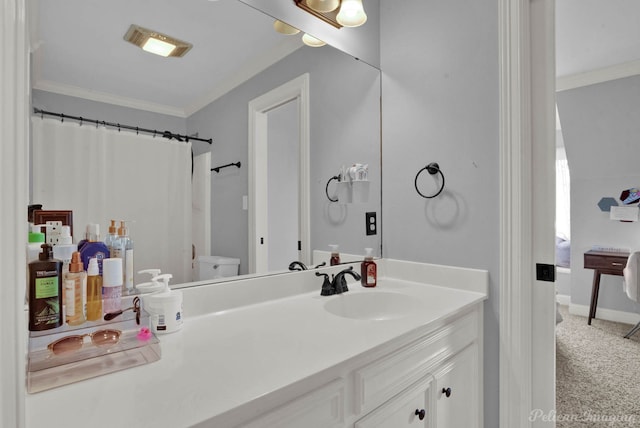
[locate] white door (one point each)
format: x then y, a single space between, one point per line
283 187
262 111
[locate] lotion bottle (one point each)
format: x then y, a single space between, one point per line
368 270
75 282
45 291
94 291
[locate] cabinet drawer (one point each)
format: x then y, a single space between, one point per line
321 408
411 408
380 380
605 262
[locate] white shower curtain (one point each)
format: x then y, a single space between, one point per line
102 174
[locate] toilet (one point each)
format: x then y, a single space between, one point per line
213 267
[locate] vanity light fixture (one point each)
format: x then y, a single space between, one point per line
286 29
156 43
312 41
339 13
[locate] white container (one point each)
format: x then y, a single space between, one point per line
163 305
212 267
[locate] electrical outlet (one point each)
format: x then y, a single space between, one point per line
371 225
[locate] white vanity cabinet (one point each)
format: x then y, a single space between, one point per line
431 381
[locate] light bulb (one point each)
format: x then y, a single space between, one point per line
323 5
351 13
312 41
284 28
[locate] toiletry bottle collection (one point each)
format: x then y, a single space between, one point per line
74 284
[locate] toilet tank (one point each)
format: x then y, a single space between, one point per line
212 267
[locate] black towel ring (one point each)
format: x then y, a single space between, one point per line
326 188
433 168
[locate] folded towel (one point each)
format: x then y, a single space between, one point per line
631 276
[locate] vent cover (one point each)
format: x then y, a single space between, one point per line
140 35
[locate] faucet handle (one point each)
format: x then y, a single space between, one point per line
327 288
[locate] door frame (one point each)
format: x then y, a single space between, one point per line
259 107
527 123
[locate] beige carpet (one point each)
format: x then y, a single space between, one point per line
597 374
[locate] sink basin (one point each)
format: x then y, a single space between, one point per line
373 305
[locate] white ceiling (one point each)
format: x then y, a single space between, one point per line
78 47
595 34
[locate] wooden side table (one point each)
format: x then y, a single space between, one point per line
603 262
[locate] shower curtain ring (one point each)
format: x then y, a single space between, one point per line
62 118
80 120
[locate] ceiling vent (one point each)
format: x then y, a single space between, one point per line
157 43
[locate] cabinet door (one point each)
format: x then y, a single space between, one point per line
457 390
413 407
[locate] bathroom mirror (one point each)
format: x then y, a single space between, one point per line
344 107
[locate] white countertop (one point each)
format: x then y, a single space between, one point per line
226 361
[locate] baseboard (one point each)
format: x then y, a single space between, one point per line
603 313
564 299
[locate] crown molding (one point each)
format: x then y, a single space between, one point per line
105 97
600 75
246 72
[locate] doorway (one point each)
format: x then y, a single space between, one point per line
279 230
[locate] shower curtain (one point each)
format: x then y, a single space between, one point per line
103 174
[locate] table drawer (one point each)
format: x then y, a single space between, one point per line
605 263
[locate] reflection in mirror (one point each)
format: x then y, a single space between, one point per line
343 102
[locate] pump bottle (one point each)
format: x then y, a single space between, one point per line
111 237
123 249
45 291
368 270
335 255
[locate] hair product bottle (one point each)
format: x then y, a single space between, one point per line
45 291
112 284
75 283
368 270
93 247
111 237
94 291
124 250
335 255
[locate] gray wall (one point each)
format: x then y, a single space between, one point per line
600 127
440 104
345 118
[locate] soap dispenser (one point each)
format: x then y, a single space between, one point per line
163 304
368 270
335 255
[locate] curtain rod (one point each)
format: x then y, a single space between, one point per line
165 134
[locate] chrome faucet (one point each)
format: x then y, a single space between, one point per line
338 283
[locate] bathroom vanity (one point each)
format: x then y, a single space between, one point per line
272 352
